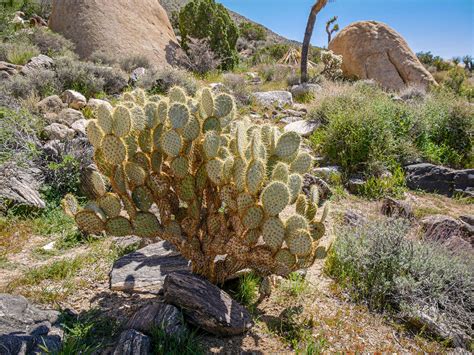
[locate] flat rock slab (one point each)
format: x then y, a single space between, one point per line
24 327
144 270
157 315
302 127
206 305
270 98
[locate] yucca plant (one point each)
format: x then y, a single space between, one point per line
188 171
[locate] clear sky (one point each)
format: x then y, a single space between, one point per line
444 27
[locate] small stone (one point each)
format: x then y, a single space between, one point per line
58 131
290 119
217 87
40 62
271 98
304 89
80 126
302 127
131 241
328 173
74 99
50 104
136 74
132 342
96 103
397 209
158 315
49 246
68 116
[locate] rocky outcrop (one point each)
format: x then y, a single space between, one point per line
121 28
206 305
373 50
24 327
132 342
439 179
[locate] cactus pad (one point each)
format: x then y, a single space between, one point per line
275 198
273 232
113 149
118 226
300 242
253 217
146 225
287 145
171 143
89 222
178 115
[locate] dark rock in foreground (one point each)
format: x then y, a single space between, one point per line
205 305
24 327
132 342
144 271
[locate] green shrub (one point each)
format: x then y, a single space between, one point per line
129 64
18 53
50 43
164 343
159 81
39 82
378 187
252 31
270 53
381 267
203 19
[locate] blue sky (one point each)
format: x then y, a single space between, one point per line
444 27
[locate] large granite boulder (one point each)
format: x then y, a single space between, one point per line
121 28
373 50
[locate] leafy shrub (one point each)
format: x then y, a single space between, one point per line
381 267
252 31
275 72
159 81
129 64
238 87
332 65
377 187
18 53
50 43
270 53
201 59
207 19
39 82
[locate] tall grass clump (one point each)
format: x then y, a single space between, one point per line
417 281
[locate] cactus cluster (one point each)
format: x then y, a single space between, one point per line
188 171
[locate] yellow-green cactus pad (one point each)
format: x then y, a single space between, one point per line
288 144
96 183
151 114
145 141
142 197
104 119
192 129
251 236
186 188
135 173
317 230
110 204
118 226
103 165
295 183
211 124
294 223
171 143
280 172
113 149
211 144
89 222
255 176
138 118
201 178
300 242
302 164
162 111
178 115
70 205
275 197
119 180
157 134
223 105
244 202
156 161
131 144
253 217
139 96
122 121
142 159
207 103
146 225
176 94
240 168
228 195
301 204
215 171
180 166
285 257
94 133
273 233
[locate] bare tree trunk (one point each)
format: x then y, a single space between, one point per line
307 38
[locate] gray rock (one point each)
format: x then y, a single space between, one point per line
96 103
40 62
79 126
132 342
144 271
131 241
20 186
397 209
50 104
8 69
439 179
324 189
289 119
68 116
303 89
23 327
302 127
217 87
58 131
294 113
156 315
327 172
300 107
206 305
271 98
354 184
354 218
136 74
74 99
440 228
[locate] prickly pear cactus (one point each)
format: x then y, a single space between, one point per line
188 171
